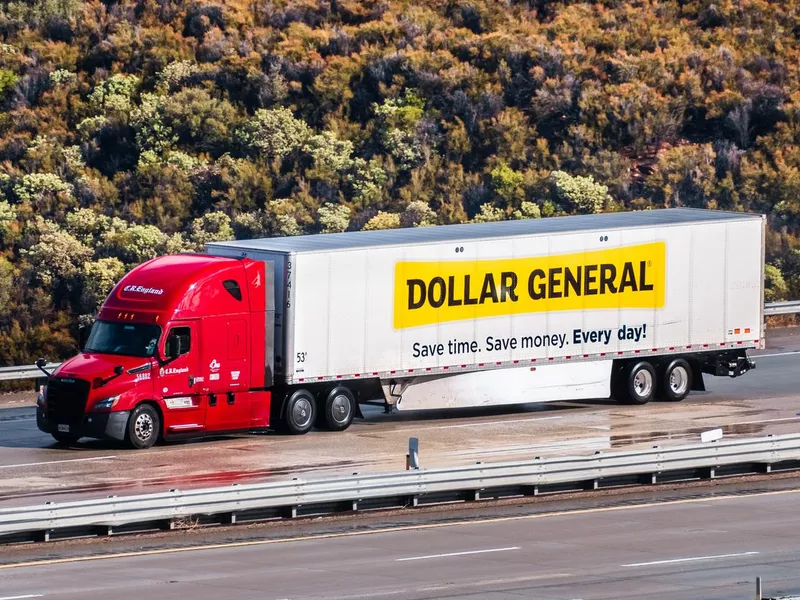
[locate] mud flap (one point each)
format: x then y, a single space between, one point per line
698 383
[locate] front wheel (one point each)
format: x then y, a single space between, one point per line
143 427
676 381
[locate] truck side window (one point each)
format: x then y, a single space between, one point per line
233 288
179 342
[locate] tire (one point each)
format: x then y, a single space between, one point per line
339 409
143 428
66 439
300 412
675 381
639 380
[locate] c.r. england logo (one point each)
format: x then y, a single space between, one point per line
173 371
140 289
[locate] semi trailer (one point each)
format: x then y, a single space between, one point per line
294 332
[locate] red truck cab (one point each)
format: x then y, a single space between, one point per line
178 349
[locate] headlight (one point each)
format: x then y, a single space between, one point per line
106 403
41 398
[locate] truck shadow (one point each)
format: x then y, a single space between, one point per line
375 415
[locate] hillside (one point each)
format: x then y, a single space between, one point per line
130 129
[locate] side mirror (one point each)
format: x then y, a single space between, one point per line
118 370
177 344
171 349
183 344
40 363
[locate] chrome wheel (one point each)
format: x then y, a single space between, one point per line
678 380
643 383
143 427
302 412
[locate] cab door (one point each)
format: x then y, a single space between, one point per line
227 373
179 379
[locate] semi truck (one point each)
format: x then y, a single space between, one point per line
290 333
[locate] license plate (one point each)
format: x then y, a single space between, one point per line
63 428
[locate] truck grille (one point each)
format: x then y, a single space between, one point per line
66 399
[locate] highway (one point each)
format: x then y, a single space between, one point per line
766 400
709 548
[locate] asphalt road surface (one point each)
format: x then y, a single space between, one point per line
709 548
766 400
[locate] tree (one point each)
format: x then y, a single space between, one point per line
132 244
775 288
382 220
528 210
334 218
8 223
98 279
211 227
685 176
488 213
134 129
417 214
508 184
582 194
58 257
273 133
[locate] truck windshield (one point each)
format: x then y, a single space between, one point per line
128 339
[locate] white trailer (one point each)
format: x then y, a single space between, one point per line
637 305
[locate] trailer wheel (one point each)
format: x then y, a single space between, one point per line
143 427
640 383
300 412
339 409
675 381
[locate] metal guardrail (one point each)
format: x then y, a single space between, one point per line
782 308
24 372
31 372
301 497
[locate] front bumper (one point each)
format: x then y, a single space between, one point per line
98 425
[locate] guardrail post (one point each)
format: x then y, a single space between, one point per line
412 458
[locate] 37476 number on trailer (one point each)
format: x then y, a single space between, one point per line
289 333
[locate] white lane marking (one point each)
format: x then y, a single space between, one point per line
757 356
21 597
453 554
690 559
55 462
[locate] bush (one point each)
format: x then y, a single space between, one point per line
581 194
